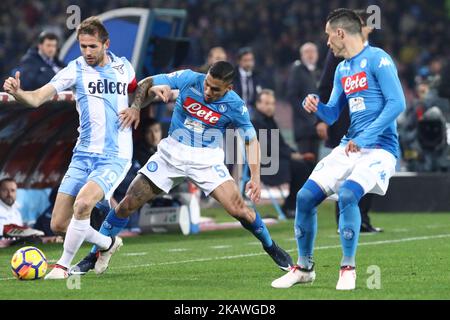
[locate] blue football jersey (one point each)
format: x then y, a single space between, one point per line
200 124
369 83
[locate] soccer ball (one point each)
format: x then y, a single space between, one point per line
28 263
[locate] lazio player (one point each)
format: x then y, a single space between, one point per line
206 105
366 157
101 82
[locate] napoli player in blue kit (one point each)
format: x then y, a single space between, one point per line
205 106
366 157
101 82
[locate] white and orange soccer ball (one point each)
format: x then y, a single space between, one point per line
28 263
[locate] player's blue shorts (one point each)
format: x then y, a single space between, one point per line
105 170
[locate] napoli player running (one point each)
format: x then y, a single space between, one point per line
101 158
206 105
366 157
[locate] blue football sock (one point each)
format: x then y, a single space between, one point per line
349 220
111 226
259 230
308 198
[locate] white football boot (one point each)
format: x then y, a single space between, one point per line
104 256
347 278
58 273
295 275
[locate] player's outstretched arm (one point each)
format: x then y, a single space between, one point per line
253 187
30 98
131 116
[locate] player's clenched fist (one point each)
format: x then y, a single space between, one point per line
12 85
310 103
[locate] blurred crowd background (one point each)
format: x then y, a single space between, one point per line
414 32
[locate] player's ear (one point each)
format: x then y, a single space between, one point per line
107 43
340 33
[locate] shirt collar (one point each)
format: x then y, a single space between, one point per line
244 73
44 57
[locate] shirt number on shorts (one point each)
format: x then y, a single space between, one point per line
109 176
220 171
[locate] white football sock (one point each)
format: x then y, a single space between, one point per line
76 233
95 237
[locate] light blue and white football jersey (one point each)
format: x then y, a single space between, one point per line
100 93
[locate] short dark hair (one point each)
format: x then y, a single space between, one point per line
363 16
7 179
47 35
222 70
94 27
346 19
243 51
269 92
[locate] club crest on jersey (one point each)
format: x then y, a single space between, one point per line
363 63
201 112
119 68
222 108
355 83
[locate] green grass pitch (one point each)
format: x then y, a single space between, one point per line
412 257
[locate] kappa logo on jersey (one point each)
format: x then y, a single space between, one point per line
384 62
119 68
355 83
201 112
105 86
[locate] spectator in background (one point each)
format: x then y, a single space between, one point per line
333 134
247 82
152 135
303 79
39 65
11 223
215 54
294 167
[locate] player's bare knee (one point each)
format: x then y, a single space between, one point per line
82 209
239 210
58 227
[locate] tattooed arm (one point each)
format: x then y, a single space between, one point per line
145 94
142 93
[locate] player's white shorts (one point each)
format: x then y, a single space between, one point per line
371 168
175 161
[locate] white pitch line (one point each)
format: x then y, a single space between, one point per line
220 247
131 254
253 243
178 250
